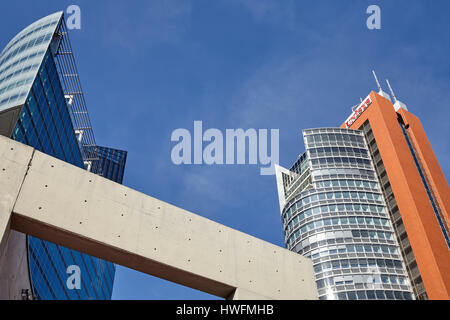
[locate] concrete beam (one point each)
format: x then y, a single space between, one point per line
66 205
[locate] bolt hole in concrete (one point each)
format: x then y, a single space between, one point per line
12 148
40 208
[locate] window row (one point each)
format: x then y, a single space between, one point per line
346 183
338 221
347 234
372 265
336 161
326 173
22 60
340 207
19 71
334 137
369 295
314 152
363 278
352 248
16 85
12 98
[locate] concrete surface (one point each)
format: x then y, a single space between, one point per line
58 202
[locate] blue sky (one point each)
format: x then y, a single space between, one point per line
150 67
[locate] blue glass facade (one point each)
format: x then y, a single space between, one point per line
29 80
110 163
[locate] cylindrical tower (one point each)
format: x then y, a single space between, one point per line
333 212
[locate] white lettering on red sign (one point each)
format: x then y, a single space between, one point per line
358 111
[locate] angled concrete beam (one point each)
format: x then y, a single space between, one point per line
61 203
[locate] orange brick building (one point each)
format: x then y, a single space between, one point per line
415 189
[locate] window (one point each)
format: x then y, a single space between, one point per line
380 263
342 296
370 294
398 295
351 295
361 295
379 294
389 295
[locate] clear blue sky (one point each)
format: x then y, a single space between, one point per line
149 67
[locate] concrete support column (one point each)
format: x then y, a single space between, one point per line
15 160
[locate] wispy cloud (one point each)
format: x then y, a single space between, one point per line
269 11
156 21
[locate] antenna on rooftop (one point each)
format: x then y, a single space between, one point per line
380 90
392 91
397 104
376 79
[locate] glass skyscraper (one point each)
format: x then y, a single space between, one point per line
42 105
334 212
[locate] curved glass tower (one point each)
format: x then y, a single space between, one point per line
42 105
333 212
